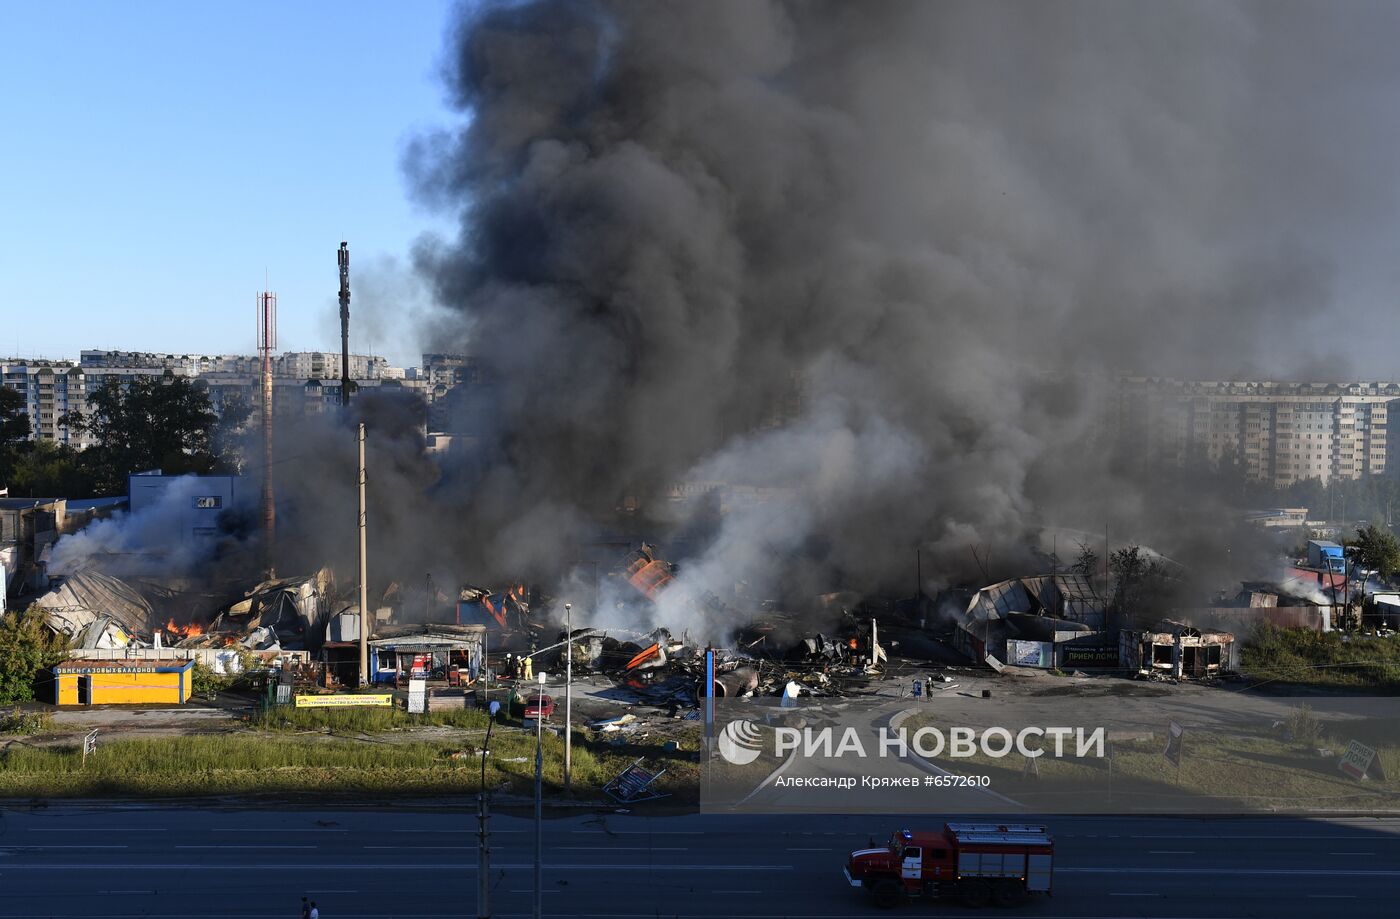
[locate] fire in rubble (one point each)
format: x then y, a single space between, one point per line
189 630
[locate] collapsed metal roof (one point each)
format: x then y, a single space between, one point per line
89 601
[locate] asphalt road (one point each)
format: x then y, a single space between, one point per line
420 863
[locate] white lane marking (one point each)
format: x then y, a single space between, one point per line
825 849
640 832
422 848
1171 852
1351 853
612 915
105 829
737 892
622 848
1331 836
464 830
423 867
1137 895
1331 896
242 847
41 846
1240 872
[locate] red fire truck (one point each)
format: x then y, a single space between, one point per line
972 863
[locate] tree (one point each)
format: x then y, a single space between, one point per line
149 423
14 431
1087 564
14 418
1140 584
46 469
27 647
228 440
1378 549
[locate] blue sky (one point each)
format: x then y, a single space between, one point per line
156 158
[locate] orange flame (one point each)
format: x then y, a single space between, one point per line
184 631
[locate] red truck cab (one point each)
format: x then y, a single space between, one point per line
974 863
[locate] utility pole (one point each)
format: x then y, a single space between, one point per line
343 257
267 343
364 586
539 808
568 695
483 829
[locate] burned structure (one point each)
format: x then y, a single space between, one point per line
1048 621
1179 651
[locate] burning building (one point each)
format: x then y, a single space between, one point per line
1032 621
1177 650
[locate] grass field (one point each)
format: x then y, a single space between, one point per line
331 752
367 720
1326 659
1248 771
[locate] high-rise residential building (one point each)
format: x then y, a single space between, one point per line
303 365
50 389
325 365
307 381
1280 433
55 388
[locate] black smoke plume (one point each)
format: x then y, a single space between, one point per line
873 266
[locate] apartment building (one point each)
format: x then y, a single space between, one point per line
304 365
189 365
325 365
51 389
1277 432
54 388
304 382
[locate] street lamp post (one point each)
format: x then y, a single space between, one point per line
568 695
483 870
539 799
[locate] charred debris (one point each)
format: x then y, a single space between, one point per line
832 646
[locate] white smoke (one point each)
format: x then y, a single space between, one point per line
149 541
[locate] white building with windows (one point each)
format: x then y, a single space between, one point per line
190 504
1277 432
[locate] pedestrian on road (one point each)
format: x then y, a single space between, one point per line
918 689
529 669
315 913
305 908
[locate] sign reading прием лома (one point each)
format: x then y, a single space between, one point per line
1359 760
384 700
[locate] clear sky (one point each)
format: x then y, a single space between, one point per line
156 158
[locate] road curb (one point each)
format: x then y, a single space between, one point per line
897 721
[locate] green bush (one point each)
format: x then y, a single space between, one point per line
25 724
1304 727
204 681
27 647
1323 658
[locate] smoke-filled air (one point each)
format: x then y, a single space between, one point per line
870 267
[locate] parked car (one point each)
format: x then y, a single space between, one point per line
539 705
